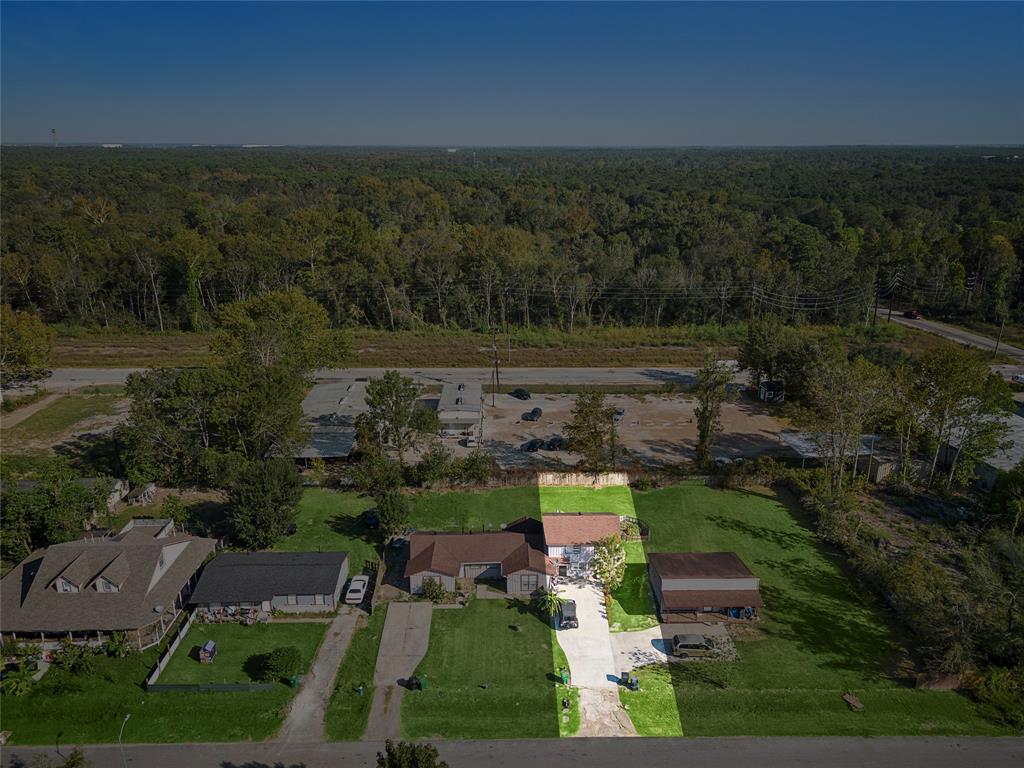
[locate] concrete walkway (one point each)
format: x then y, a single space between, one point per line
305 720
403 645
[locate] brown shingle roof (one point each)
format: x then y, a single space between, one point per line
563 530
445 553
698 565
29 603
696 599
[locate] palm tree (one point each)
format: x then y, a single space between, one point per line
548 603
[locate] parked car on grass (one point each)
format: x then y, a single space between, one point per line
531 446
520 394
567 615
533 415
690 646
357 590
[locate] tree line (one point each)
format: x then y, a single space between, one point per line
164 239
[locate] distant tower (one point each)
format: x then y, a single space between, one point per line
53 136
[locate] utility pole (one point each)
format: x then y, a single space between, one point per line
999 338
753 298
892 293
495 374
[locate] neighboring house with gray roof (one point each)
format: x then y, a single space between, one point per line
265 581
460 408
136 582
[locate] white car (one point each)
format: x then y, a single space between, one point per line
357 590
1017 378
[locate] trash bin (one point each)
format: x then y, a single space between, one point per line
423 683
293 681
565 676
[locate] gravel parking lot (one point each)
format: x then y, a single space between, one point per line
655 429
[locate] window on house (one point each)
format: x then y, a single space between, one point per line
529 582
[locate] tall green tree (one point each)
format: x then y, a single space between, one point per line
263 502
393 422
26 343
711 391
408 755
591 432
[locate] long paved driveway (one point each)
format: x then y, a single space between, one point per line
305 720
835 752
403 645
588 649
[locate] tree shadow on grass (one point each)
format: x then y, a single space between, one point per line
781 539
354 527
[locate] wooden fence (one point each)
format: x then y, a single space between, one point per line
602 480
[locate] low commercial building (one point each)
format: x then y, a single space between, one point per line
514 556
136 582
460 408
1006 458
294 582
691 585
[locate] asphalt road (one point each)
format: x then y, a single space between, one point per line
63 379
834 752
959 335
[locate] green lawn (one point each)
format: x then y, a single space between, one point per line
490 676
90 709
331 522
633 603
348 711
820 635
473 510
617 499
236 644
570 726
46 426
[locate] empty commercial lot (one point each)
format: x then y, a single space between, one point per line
655 430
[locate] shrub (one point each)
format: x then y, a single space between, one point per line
75 659
1002 692
282 663
476 468
548 603
435 465
434 591
18 681
118 645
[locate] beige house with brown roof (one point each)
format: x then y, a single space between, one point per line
514 555
135 582
569 538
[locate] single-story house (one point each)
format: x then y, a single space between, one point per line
335 403
328 443
569 538
460 409
294 582
703 582
134 582
514 555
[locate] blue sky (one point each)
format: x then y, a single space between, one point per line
517 74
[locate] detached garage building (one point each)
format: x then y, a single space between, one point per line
294 582
688 585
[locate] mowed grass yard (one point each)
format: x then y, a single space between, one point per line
349 711
490 675
332 521
90 709
236 645
820 635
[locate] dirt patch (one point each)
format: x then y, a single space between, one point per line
601 714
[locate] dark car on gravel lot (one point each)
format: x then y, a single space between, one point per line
532 446
520 394
556 443
533 415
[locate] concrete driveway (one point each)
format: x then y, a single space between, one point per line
403 645
588 648
654 646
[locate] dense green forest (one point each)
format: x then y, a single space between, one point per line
162 238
